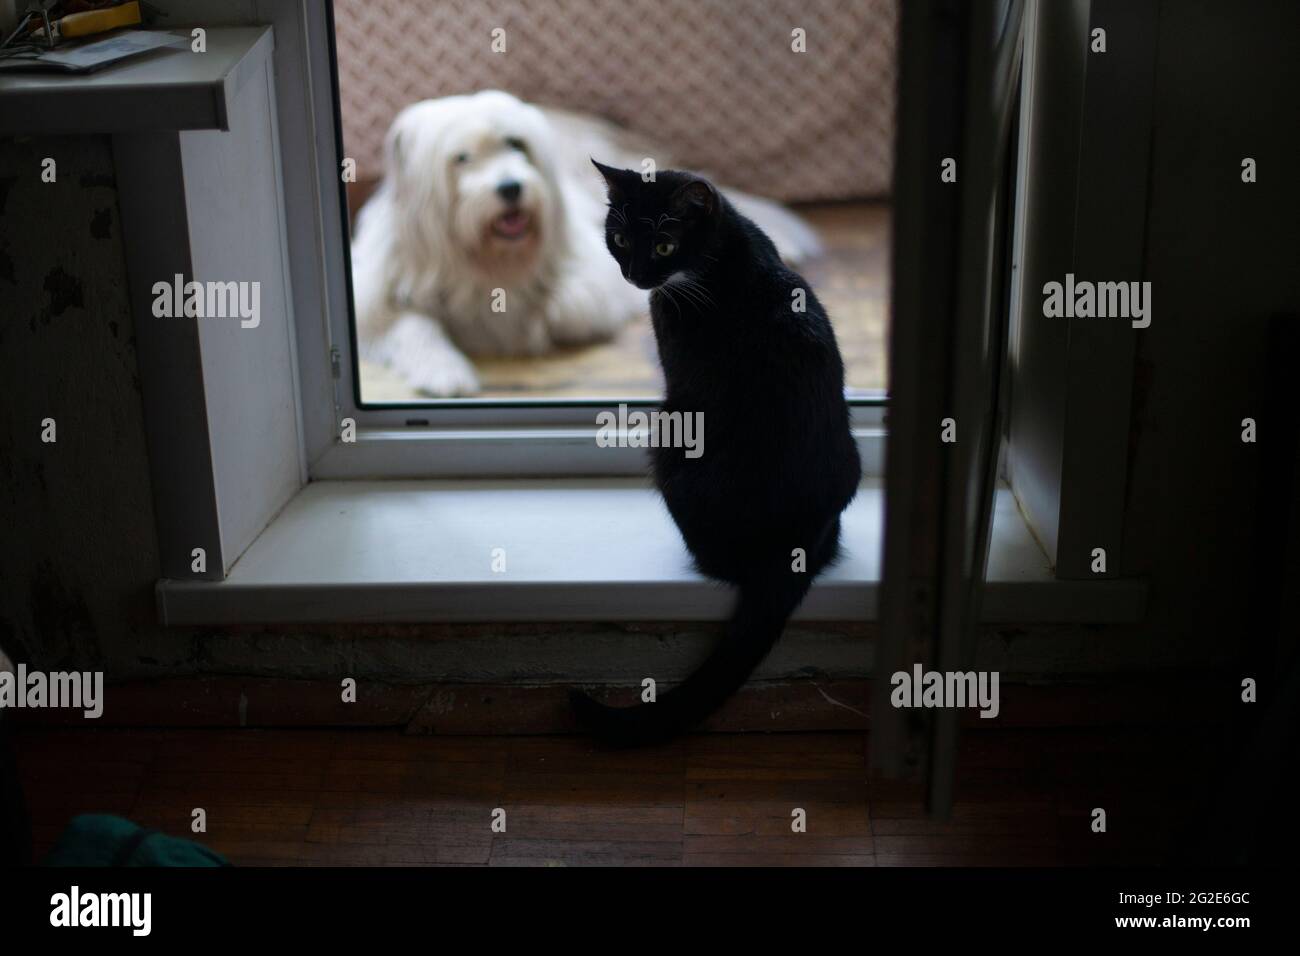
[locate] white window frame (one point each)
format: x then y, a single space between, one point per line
433 439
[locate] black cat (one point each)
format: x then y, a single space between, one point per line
744 340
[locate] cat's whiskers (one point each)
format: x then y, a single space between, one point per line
696 292
663 289
690 288
676 280
700 287
691 296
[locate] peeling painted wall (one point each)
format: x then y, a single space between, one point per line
79 557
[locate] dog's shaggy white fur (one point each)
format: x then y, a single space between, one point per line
486 237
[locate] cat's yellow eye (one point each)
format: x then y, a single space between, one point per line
665 248
620 240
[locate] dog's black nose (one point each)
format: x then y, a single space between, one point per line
510 190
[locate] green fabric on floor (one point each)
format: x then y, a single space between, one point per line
98 839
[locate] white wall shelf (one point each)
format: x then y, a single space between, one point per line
169 89
200 194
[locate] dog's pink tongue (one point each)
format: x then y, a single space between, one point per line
511 224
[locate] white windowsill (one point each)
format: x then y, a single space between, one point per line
575 550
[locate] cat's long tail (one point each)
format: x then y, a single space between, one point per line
760 615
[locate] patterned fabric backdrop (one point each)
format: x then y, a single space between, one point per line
715 81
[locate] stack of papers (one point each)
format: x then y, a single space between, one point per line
85 57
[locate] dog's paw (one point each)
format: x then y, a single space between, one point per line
589 309
451 376
416 348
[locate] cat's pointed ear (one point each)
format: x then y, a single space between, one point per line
614 178
696 199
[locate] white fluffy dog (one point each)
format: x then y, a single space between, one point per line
486 237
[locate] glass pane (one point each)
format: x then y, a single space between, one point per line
789 100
